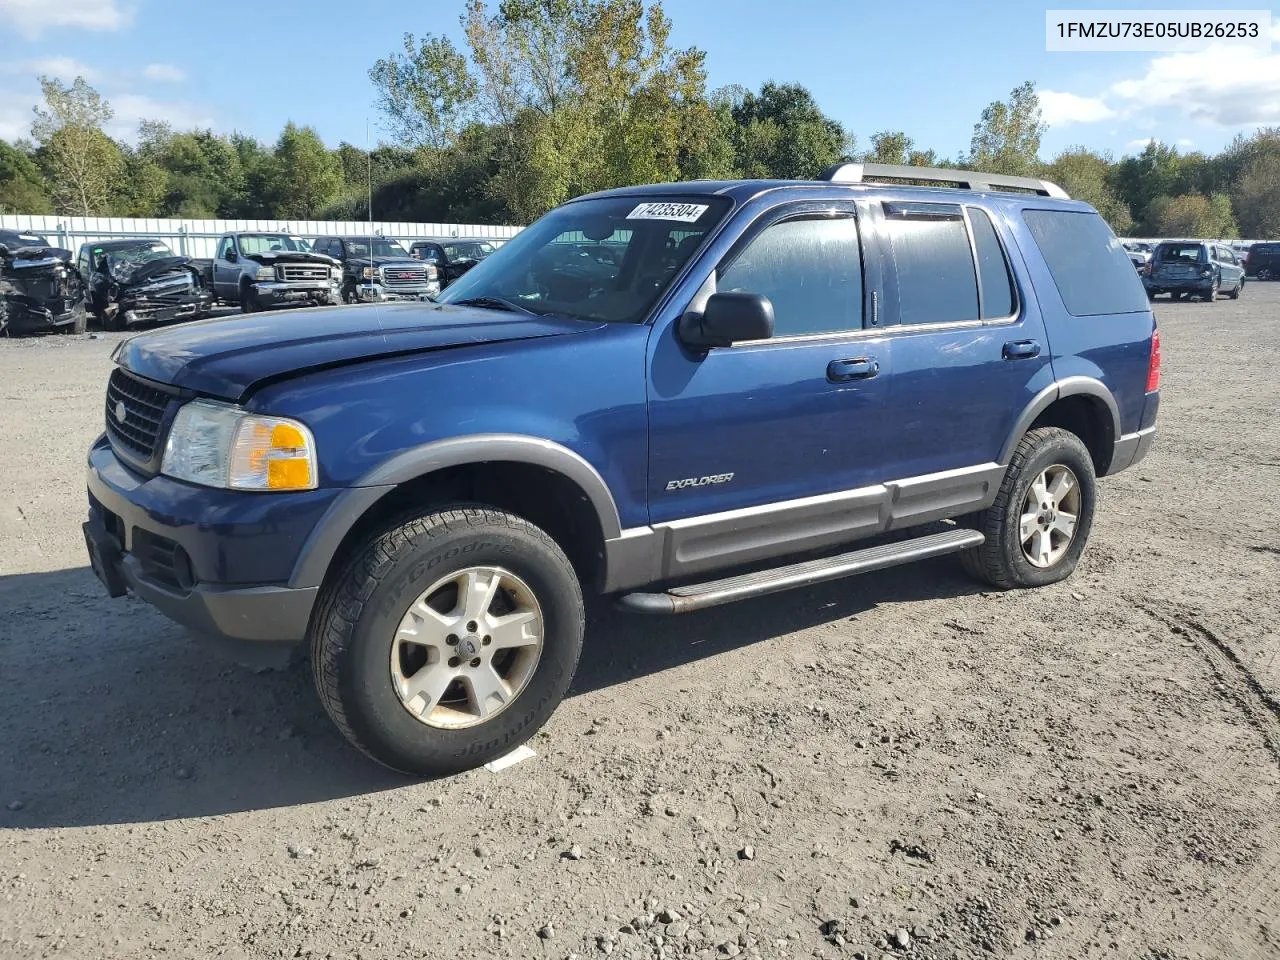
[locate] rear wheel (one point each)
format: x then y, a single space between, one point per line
1264 274
447 640
1039 524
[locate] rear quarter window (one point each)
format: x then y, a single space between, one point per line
1089 267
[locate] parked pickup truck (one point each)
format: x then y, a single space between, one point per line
141 281
779 383
377 270
262 270
451 256
40 288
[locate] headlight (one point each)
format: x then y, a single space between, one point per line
265 273
432 273
335 273
220 445
369 273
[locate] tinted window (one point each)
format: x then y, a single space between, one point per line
1180 253
1088 265
936 280
996 284
223 246
810 268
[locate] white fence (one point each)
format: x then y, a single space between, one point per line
197 238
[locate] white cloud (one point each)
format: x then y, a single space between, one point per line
15 116
164 73
130 108
1137 146
1060 109
31 18
60 68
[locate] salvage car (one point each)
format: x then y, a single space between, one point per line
1187 268
775 375
141 281
40 288
262 270
378 270
452 256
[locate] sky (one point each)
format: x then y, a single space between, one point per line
927 68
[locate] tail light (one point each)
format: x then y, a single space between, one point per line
1153 366
1149 267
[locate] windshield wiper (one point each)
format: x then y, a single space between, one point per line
495 303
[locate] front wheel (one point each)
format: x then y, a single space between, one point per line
1039 524
1235 294
447 640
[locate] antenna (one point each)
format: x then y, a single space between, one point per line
368 155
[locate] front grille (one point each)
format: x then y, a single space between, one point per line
143 408
404 276
304 271
162 560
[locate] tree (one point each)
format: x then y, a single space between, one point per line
1084 175
1007 138
780 132
424 92
1140 180
1257 195
22 187
1193 215
305 177
83 164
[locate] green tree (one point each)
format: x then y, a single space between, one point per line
1084 174
1007 138
1193 215
1141 179
781 132
424 92
304 177
22 187
82 163
1257 194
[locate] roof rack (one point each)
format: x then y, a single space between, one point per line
967 179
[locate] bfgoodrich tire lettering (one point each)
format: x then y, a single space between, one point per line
1001 561
360 610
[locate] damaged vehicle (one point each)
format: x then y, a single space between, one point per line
141 281
377 270
40 288
262 270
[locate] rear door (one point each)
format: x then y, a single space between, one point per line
1231 270
969 345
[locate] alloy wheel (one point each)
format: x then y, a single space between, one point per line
466 647
1049 514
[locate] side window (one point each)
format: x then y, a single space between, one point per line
810 268
1093 274
933 262
224 245
995 283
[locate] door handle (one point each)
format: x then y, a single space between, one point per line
858 368
1021 349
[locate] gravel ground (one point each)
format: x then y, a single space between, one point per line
896 765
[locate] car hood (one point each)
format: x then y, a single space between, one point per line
132 275
292 256
230 358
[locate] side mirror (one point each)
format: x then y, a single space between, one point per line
232 256
727 319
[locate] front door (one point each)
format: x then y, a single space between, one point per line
745 440
226 275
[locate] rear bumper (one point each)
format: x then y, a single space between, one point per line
218 562
1179 284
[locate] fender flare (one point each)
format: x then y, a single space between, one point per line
1067 387
323 542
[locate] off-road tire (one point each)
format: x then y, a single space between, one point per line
361 606
1000 561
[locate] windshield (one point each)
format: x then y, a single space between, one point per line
608 259
142 253
468 250
251 243
1180 253
381 248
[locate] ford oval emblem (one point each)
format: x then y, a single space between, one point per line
121 411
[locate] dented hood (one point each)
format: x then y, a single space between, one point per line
292 256
229 358
142 272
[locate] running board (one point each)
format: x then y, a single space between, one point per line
699 595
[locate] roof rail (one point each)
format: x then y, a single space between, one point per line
967 179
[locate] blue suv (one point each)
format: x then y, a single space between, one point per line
678 395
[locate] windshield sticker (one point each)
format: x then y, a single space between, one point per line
684 212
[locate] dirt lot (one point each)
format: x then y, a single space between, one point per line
895 765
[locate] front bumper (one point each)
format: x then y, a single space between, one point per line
276 293
151 311
23 314
378 293
216 561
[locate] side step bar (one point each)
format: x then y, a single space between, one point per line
699 595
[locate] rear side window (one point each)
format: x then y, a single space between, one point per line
994 282
933 261
810 268
1090 268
